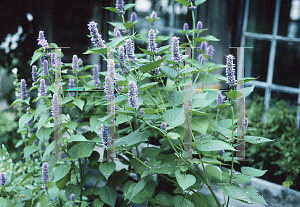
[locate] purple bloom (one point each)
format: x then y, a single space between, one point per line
219 99
109 88
118 34
120 7
175 56
28 112
175 81
42 88
137 176
163 126
111 69
45 173
34 73
201 59
72 197
146 163
203 46
152 45
230 71
71 86
142 111
103 134
199 25
80 61
189 0
153 15
115 30
125 32
52 57
152 121
96 37
75 63
210 51
185 27
217 133
45 67
96 76
132 94
192 7
201 135
55 107
130 50
122 60
180 77
42 41
36 141
221 152
191 151
121 88
3 179
23 89
156 70
245 123
133 17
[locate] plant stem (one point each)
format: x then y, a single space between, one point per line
152 99
157 88
79 160
164 85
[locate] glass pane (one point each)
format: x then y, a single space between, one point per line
287 61
256 92
261 15
257 58
277 95
289 18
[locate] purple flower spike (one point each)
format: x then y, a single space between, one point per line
203 46
146 163
221 152
80 62
230 71
191 151
96 37
118 34
42 88
55 107
180 77
71 86
120 7
34 73
152 45
130 50
115 30
133 17
45 173
156 70
163 126
201 135
245 123
42 41
210 51
36 141
109 88
3 179
201 59
23 89
185 27
132 94
199 25
175 56
45 67
137 176
142 112
75 63
72 197
153 15
96 76
52 57
192 7
103 134
122 60
219 99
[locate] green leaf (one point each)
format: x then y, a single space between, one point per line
151 151
146 51
256 140
112 9
78 138
239 93
139 186
86 178
168 71
213 145
252 192
246 80
108 195
30 149
236 192
133 138
150 66
85 76
37 55
174 117
67 99
73 189
82 149
24 119
94 122
43 120
117 41
206 38
53 192
97 203
252 171
163 49
147 85
210 160
224 131
79 103
96 50
198 2
184 2
43 133
184 181
117 24
179 201
70 125
163 198
128 6
213 172
15 102
213 67
128 25
27 176
61 184
201 103
107 168
61 171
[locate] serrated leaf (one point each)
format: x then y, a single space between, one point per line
117 24
163 49
168 71
77 138
27 176
252 192
24 119
128 25
30 149
15 102
112 9
236 192
198 2
36 55
179 201
150 66
184 181
210 160
206 38
61 171
117 41
139 186
96 50
256 140
133 138
147 85
184 2
146 51
213 145
43 120
128 6
107 168
108 195
174 117
252 171
79 103
82 149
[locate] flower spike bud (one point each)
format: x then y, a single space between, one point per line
3 179
42 88
23 89
34 73
153 15
210 51
152 45
55 107
96 37
219 99
96 76
45 173
71 86
45 67
185 27
163 126
230 71
52 57
72 197
132 94
199 25
175 56
42 41
133 17
203 46
75 63
120 7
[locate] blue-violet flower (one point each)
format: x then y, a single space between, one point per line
185 27
130 50
52 57
219 99
71 86
163 126
120 7
45 173
199 25
42 41
23 89
175 56
75 63
42 88
153 15
96 76
122 60
203 46
132 94
72 197
133 17
34 73
3 179
96 37
230 71
55 107
210 51
152 45
45 67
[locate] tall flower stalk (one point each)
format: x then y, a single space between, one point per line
96 76
132 94
151 40
42 88
129 46
45 173
96 38
23 89
230 71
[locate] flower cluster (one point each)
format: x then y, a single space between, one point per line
153 15
185 27
45 173
132 94
175 56
210 51
71 85
151 40
96 38
122 60
55 107
156 70
45 67
219 99
42 41
96 76
3 179
117 32
163 126
34 73
75 63
120 7
230 71
72 197
199 25
103 134
203 46
133 17
23 89
52 57
130 50
42 87
245 123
